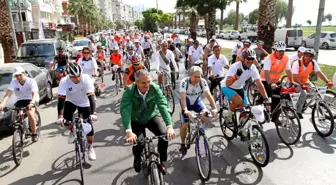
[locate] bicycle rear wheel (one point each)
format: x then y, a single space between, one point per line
326 116
17 145
260 158
79 162
227 128
204 169
289 131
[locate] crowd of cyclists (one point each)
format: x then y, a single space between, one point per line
128 53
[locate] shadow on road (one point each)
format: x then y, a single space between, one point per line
127 177
114 106
313 140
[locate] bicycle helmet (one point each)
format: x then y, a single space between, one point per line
249 54
280 46
135 60
310 51
247 41
129 47
146 37
74 69
115 48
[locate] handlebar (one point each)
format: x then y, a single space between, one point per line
149 139
6 109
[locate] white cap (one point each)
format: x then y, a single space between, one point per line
240 44
18 70
191 40
258 112
169 40
128 37
136 40
302 49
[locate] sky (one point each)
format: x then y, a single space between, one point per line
304 9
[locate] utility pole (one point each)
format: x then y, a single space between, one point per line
12 25
318 27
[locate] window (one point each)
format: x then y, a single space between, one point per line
333 35
312 36
15 17
36 50
31 70
5 79
291 33
23 14
323 35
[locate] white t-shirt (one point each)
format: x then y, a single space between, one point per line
268 64
146 45
127 59
247 74
296 67
195 53
76 93
129 43
113 44
24 92
193 92
161 64
217 65
177 40
138 50
88 66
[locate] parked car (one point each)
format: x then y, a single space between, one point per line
41 53
79 44
232 34
327 40
40 75
291 36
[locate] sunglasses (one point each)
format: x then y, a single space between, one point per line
136 64
250 59
86 53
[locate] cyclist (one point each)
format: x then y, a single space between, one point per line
27 95
194 53
234 82
164 58
131 69
246 44
116 63
301 70
260 51
76 92
191 90
235 51
216 64
177 41
138 49
274 65
61 60
127 58
147 46
208 49
100 56
102 41
112 44
88 63
138 112
298 56
189 42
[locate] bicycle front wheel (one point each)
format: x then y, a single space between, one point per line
147 64
79 163
155 176
170 100
117 84
258 146
228 128
38 123
204 161
17 146
289 131
325 119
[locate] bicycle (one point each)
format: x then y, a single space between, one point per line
199 63
317 103
247 126
288 130
146 62
76 128
218 96
168 91
151 164
117 81
22 129
195 132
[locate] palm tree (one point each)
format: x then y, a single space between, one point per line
6 38
82 8
289 14
222 7
193 18
237 12
267 23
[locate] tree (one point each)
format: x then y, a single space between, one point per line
222 7
267 23
232 17
6 38
289 14
328 17
139 24
152 17
309 22
253 16
119 25
237 21
281 11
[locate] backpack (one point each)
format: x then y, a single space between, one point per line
200 83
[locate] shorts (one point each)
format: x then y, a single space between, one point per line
116 68
146 51
197 107
229 93
22 103
60 68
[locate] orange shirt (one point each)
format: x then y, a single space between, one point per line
130 73
117 38
100 56
116 59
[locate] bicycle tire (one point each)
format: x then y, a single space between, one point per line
173 81
17 158
223 125
188 138
154 175
204 176
283 82
170 91
331 103
250 92
267 155
117 84
80 163
38 123
294 117
147 65
322 104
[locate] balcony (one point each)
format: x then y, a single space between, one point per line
27 26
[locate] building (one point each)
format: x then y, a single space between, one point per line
117 10
106 7
124 12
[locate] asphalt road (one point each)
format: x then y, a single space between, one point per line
325 56
50 161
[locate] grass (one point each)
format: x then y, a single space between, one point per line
328 70
307 31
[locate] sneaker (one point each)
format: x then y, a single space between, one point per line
163 169
113 77
91 153
35 137
183 149
137 165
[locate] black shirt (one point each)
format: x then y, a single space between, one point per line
172 47
61 59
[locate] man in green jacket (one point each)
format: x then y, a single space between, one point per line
138 112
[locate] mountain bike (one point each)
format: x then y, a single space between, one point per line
151 164
22 130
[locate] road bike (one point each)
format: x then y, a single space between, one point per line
22 130
167 90
151 164
249 131
196 134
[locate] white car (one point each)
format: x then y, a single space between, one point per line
79 44
327 40
232 34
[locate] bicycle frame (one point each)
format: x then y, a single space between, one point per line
237 125
316 97
195 131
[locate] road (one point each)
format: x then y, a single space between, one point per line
325 56
49 162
